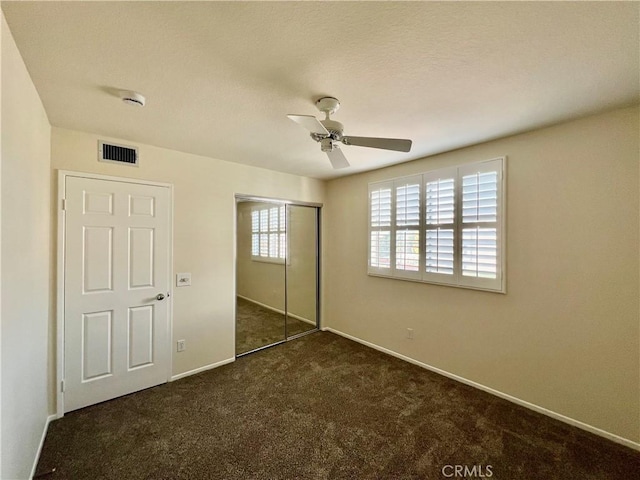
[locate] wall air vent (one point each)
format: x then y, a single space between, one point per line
109 152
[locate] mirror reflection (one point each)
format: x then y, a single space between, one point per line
301 274
276 273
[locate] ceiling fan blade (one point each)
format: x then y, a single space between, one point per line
337 158
310 123
397 144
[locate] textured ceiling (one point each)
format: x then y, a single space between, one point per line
221 76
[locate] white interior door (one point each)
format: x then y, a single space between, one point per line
116 289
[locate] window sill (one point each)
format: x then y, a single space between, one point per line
277 261
502 290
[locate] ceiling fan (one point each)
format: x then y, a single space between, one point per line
329 134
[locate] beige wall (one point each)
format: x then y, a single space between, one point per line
264 282
204 230
25 263
566 335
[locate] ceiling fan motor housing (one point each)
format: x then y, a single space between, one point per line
335 128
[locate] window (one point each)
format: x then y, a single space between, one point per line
268 234
445 226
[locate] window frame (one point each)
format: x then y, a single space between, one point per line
496 285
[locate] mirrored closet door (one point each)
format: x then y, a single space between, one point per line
301 270
276 272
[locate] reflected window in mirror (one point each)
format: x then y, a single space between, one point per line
269 234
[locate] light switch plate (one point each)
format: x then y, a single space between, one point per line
183 279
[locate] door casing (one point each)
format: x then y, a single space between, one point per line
60 280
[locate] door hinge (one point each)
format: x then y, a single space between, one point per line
62 386
64 204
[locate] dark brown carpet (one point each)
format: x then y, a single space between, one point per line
257 326
322 407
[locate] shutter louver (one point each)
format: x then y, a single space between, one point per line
440 201
380 249
408 205
255 233
381 208
274 223
380 227
264 236
440 251
282 244
479 232
480 197
440 216
479 252
269 238
408 250
407 226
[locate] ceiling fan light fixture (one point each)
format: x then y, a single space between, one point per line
326 145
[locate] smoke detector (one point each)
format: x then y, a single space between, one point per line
133 98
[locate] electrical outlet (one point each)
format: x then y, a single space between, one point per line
409 333
182 345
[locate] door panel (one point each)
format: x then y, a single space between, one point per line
141 255
96 344
97 203
302 270
141 206
140 336
117 260
260 275
97 259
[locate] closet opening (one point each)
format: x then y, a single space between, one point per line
277 272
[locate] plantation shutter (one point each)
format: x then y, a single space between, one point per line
264 235
407 227
440 218
282 232
255 233
481 212
445 226
380 227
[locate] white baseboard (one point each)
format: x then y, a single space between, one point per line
531 406
302 319
44 435
202 369
277 310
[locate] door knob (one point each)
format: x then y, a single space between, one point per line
160 296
